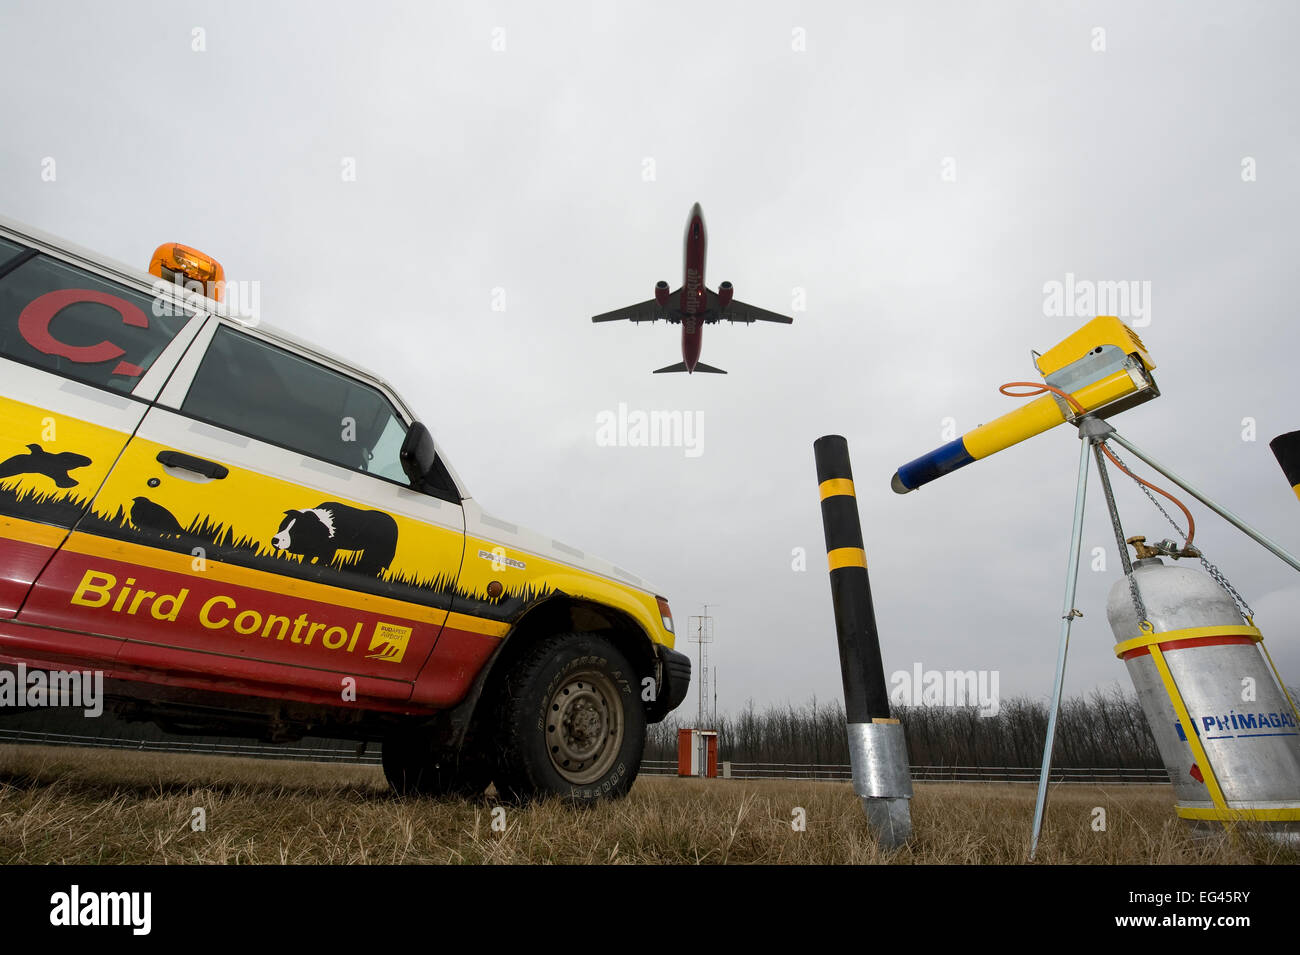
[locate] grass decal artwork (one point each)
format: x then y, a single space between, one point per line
218 541
61 508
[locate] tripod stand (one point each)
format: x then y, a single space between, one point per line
1094 432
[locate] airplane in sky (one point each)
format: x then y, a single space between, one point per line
694 305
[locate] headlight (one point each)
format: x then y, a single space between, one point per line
667 614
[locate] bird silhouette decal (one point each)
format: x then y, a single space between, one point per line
39 461
148 516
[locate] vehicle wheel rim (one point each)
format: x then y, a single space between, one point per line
584 727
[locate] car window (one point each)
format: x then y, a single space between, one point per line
271 394
68 321
8 250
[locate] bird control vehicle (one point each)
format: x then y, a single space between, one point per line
249 536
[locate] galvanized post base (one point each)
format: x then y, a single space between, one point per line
883 779
890 819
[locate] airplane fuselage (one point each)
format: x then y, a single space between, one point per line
695 298
694 304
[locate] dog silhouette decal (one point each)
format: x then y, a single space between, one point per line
319 532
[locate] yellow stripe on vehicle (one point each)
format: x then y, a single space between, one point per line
265 580
30 532
247 577
489 628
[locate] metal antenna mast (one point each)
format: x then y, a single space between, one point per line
701 632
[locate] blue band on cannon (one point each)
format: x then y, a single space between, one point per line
936 464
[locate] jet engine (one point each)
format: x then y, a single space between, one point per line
661 293
724 294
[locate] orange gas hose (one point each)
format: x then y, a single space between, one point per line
1038 389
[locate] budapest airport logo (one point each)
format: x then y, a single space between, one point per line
388 643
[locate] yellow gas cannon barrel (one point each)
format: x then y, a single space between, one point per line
1103 367
1286 448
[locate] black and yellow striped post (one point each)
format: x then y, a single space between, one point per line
877 747
1286 448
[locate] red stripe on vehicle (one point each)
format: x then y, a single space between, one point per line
192 613
20 564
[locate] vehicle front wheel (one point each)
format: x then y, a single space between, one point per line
570 721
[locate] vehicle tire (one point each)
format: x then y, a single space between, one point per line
414 767
570 721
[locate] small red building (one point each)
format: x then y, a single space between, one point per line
697 753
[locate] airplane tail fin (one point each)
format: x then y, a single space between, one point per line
681 366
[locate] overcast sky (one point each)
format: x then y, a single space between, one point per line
916 172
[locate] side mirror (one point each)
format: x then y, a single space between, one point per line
418 454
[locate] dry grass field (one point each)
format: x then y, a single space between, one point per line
66 805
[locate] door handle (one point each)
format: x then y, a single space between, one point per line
187 462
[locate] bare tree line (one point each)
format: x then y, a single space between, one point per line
1103 730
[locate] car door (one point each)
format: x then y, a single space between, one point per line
82 354
258 531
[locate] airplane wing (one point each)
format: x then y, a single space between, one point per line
738 311
641 312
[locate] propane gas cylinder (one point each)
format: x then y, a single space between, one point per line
1226 729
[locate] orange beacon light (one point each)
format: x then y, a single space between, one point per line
171 259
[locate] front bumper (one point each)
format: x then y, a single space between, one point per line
674 683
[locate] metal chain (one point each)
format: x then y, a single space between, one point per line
1138 604
1242 607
